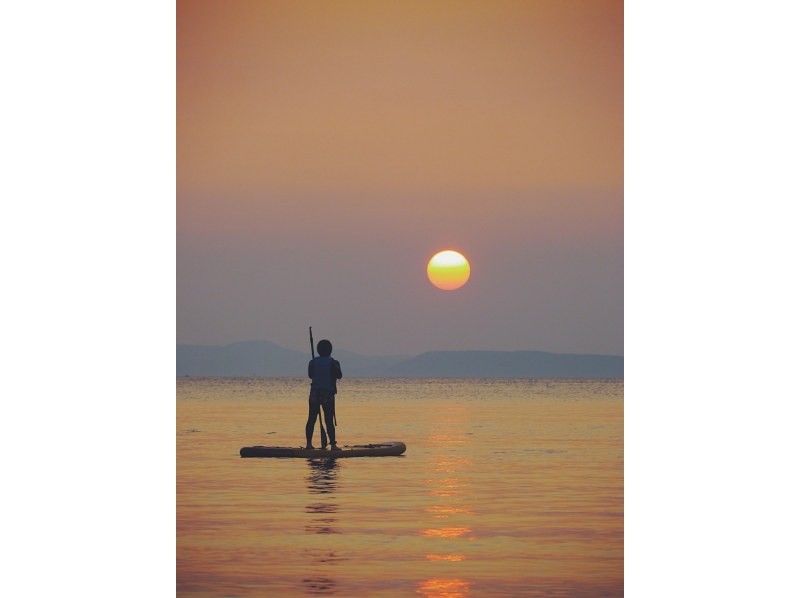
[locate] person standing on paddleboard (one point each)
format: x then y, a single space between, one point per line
324 371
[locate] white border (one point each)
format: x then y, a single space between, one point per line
88 246
711 298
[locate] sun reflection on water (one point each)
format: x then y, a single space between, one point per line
445 557
445 511
448 485
443 588
446 532
451 464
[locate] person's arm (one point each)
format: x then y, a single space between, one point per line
310 370
337 369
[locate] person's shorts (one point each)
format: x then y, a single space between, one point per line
321 397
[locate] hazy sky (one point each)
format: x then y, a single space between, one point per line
326 150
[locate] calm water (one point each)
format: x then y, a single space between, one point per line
509 487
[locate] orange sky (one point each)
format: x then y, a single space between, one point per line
435 122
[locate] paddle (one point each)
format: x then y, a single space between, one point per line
322 434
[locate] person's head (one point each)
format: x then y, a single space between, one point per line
324 347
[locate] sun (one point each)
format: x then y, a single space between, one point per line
448 270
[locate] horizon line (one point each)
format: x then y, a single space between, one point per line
228 344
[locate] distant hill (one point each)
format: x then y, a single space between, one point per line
242 360
263 359
508 364
360 365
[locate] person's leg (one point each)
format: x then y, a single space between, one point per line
313 409
327 409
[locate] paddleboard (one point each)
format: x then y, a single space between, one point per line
383 449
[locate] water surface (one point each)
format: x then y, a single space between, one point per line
508 487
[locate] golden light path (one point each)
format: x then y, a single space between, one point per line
448 270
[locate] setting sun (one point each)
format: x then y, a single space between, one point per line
448 270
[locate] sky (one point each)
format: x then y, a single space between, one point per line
326 150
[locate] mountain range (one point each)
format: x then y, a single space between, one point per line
266 359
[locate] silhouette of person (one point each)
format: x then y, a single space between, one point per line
324 371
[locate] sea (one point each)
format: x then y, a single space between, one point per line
507 488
